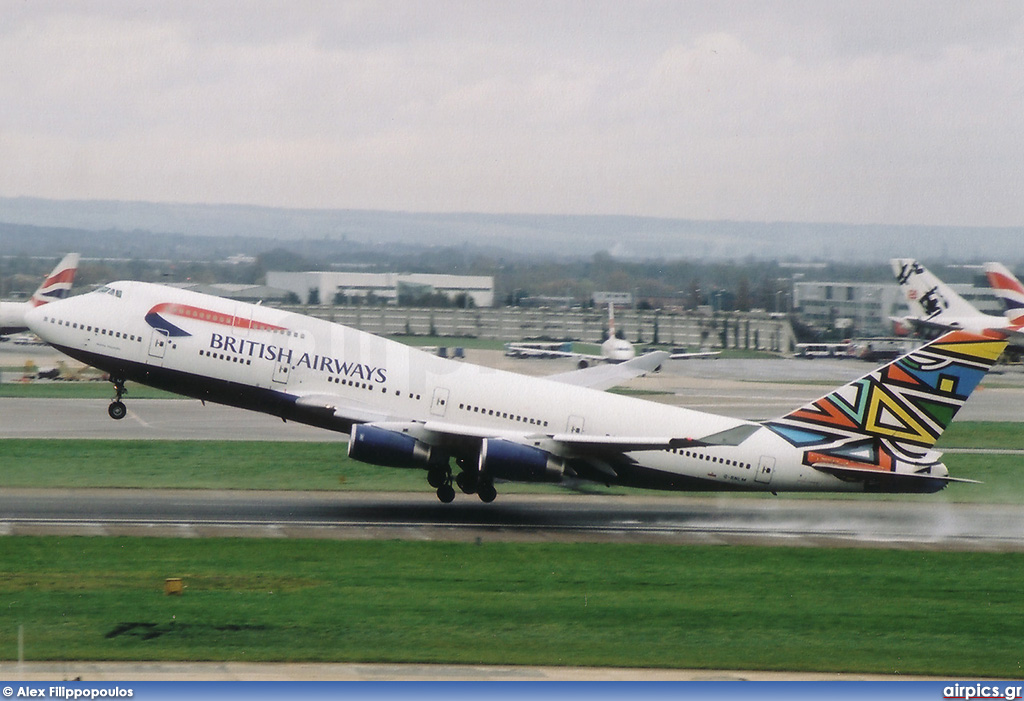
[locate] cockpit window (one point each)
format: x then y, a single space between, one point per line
106 289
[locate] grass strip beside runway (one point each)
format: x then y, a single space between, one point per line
945 614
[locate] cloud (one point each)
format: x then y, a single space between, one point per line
808 111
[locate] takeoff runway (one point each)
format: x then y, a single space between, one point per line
759 520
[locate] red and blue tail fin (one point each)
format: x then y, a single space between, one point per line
1009 289
58 283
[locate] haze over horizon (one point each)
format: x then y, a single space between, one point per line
43 226
860 112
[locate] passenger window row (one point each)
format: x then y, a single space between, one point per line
368 386
503 415
228 357
710 458
90 329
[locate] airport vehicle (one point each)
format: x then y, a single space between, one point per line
1009 289
822 350
55 286
937 307
406 408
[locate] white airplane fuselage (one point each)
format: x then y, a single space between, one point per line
324 374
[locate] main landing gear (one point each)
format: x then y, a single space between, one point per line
117 409
440 478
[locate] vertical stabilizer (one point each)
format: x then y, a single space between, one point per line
58 283
889 420
1009 289
927 295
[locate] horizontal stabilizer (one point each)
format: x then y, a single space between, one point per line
868 474
696 355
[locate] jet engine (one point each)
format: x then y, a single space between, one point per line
507 460
379 446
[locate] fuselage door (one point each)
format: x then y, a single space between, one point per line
765 468
158 343
574 425
440 402
282 369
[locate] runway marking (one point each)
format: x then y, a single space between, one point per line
138 419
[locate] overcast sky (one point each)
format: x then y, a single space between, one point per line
840 111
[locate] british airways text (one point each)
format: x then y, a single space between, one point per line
268 351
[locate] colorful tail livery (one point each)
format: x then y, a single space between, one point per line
1007 288
58 283
884 425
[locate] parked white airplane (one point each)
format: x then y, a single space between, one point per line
613 349
936 306
55 286
406 408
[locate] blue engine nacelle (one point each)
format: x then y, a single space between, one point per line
517 462
379 446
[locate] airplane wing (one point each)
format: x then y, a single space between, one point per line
609 375
540 350
528 352
563 444
697 355
341 414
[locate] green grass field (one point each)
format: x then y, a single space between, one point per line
878 611
946 614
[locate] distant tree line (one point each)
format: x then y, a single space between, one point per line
28 253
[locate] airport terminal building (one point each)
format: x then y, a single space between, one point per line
867 308
389 288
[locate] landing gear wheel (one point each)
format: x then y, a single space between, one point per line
446 493
437 477
486 492
467 482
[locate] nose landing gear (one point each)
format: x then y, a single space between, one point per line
117 409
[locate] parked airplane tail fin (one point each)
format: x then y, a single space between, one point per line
889 420
926 294
58 283
1009 289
